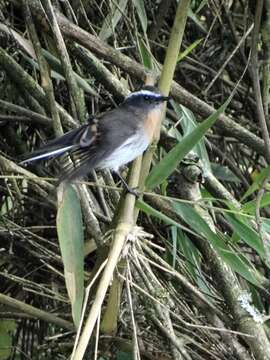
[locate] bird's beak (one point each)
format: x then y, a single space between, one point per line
166 98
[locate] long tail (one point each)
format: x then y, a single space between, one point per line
58 146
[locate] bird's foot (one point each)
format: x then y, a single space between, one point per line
133 191
129 190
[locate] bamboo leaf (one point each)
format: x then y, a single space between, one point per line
171 160
246 233
237 261
146 56
140 8
188 124
191 254
157 214
196 20
70 236
188 50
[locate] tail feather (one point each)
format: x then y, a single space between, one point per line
45 154
57 147
87 162
79 143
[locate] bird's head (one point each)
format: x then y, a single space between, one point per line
147 98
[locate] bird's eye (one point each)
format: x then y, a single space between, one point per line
146 97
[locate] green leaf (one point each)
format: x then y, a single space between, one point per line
191 254
266 225
183 242
112 19
171 160
70 236
140 8
188 124
237 261
246 233
188 50
146 56
172 252
157 214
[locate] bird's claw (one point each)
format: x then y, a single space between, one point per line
132 191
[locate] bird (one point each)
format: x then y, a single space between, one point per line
110 140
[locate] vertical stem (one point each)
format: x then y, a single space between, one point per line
173 49
65 61
166 78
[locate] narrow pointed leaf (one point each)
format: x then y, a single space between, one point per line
188 50
237 261
171 160
139 5
188 124
70 236
246 233
146 56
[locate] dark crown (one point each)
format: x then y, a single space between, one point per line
147 95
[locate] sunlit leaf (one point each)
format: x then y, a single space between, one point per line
188 50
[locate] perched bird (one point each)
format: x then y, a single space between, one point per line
110 140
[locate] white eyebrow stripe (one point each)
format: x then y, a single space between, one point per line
144 92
